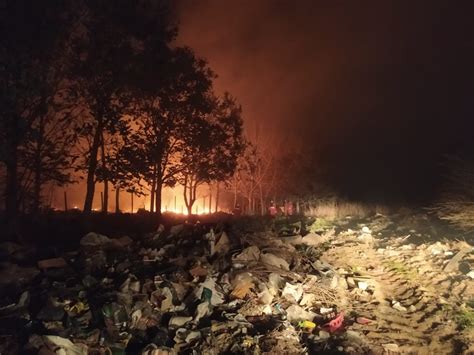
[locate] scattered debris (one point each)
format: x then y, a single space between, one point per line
94 240
296 314
200 289
396 305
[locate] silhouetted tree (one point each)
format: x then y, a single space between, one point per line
214 143
162 118
32 34
113 54
120 164
47 152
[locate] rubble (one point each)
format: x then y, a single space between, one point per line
94 240
452 265
292 293
396 305
196 289
274 260
296 314
160 297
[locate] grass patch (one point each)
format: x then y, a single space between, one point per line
319 225
465 318
402 269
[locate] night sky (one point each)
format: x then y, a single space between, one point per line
377 91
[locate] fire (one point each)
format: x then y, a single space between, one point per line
172 201
183 210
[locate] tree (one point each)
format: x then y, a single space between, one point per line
213 144
108 167
113 52
250 176
47 152
256 174
120 165
161 120
31 35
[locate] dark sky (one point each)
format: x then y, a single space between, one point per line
379 90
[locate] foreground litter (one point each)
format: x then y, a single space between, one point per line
194 289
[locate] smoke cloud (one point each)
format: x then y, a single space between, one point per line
378 90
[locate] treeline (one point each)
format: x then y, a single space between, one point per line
99 87
268 172
99 90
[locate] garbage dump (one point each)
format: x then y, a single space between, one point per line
191 289
182 290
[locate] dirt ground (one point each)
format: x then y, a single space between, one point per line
419 277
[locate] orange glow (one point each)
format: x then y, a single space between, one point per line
172 200
183 210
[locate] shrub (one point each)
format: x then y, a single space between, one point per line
456 202
332 209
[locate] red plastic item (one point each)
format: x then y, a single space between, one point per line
335 324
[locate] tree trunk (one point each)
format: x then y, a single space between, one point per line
158 197
38 168
158 200
262 204
217 196
11 186
51 195
65 201
117 199
251 199
152 193
106 196
193 199
235 192
189 207
185 193
191 186
152 196
105 205
210 198
249 205
90 182
37 187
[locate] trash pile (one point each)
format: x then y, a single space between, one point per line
186 289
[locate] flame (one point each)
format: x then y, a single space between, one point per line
172 200
184 211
